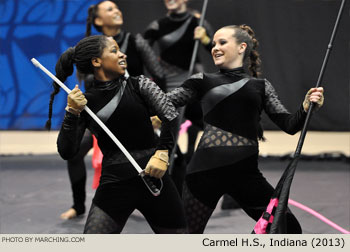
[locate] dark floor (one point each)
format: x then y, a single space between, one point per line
34 190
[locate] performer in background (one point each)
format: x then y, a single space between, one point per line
125 105
232 99
175 36
107 18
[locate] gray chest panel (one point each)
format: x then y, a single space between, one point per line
219 93
105 113
171 38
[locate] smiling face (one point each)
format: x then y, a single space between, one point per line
108 15
176 6
112 62
226 52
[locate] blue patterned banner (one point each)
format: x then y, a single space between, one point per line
42 30
293 36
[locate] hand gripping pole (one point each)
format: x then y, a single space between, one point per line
153 189
287 177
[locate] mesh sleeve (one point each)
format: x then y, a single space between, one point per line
272 103
186 93
290 123
158 101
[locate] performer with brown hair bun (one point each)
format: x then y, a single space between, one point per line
232 99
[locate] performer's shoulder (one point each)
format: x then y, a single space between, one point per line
213 75
197 76
259 81
262 84
153 25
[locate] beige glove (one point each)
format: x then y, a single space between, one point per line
156 122
201 34
313 95
76 101
158 164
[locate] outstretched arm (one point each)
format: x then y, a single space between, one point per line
290 123
160 105
187 92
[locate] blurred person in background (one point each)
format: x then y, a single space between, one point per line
175 36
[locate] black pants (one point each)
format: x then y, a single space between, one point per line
242 180
77 173
114 202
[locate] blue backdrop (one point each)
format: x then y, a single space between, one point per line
43 30
293 37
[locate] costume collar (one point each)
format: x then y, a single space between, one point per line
179 16
239 71
119 37
108 85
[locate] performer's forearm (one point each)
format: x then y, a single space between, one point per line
70 136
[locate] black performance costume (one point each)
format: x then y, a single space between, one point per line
125 106
226 158
174 37
140 56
